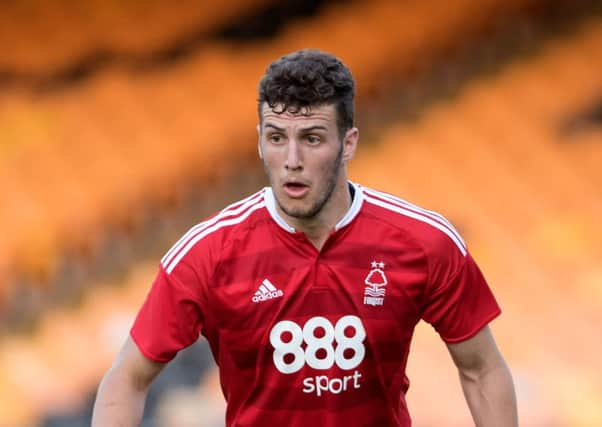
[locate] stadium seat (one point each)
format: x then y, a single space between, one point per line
527 199
93 154
121 139
46 38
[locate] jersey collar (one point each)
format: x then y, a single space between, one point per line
354 209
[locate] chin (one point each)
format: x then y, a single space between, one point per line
294 210
299 212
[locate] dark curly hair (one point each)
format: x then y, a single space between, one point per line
307 78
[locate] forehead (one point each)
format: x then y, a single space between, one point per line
324 115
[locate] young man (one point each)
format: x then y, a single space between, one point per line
309 290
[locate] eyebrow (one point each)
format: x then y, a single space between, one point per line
312 128
279 129
304 130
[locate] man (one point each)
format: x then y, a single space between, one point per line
309 290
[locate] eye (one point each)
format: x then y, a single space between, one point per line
275 138
313 139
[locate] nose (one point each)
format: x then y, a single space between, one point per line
293 156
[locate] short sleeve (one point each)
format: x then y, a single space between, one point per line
170 319
458 302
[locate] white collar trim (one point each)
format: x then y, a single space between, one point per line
270 204
354 209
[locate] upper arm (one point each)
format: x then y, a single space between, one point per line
476 354
457 300
134 367
171 317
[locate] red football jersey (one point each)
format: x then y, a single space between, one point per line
306 337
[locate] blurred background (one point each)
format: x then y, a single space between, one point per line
123 123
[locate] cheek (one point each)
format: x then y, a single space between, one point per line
270 162
329 162
269 159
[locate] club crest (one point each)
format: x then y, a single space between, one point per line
376 280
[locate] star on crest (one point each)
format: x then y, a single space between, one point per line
380 264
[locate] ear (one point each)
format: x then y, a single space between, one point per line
350 143
259 142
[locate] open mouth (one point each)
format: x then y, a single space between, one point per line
296 189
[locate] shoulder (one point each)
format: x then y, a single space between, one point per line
430 230
205 240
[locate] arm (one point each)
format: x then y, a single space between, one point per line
122 391
486 381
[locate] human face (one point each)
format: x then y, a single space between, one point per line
304 158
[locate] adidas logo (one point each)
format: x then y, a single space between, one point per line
266 291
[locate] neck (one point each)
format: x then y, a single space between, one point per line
318 228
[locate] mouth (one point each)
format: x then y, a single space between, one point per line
295 189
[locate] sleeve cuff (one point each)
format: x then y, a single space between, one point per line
477 328
146 353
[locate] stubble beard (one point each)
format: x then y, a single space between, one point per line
316 208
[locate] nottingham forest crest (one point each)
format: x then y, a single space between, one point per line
376 280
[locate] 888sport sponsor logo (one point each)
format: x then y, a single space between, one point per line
320 344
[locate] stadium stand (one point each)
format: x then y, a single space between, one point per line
68 169
41 39
495 161
484 158
43 373
75 163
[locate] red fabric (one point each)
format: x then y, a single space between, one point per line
211 290
169 320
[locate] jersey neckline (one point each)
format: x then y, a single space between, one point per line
354 209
